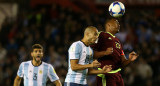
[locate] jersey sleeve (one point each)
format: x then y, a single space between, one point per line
20 70
75 51
52 74
122 52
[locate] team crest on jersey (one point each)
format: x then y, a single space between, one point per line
118 45
40 71
110 38
73 49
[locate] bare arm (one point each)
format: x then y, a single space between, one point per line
17 81
75 66
132 57
105 69
125 62
98 54
57 83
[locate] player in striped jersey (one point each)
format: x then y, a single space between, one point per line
36 72
81 59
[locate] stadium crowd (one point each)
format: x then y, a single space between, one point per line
56 28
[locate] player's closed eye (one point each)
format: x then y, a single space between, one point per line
95 34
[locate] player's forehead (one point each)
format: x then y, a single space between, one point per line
114 21
95 29
37 49
92 30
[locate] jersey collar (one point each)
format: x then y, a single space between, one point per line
111 34
84 43
34 65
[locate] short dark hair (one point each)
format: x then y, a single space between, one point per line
36 46
109 20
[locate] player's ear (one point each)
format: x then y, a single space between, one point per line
31 54
42 53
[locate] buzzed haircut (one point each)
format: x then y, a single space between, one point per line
89 28
36 46
109 20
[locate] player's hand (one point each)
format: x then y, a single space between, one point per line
95 63
133 56
109 51
107 68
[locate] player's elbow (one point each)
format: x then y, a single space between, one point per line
57 83
18 78
73 67
17 81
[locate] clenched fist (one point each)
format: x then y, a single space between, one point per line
95 63
133 56
107 68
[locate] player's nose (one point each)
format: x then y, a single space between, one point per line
96 37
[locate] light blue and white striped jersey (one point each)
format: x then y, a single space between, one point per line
36 75
78 50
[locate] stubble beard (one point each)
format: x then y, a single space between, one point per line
37 60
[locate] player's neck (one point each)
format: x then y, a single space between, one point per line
35 63
85 42
111 32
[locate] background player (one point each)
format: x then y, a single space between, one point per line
80 57
117 59
36 72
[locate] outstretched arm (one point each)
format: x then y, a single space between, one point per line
75 66
132 57
17 81
105 69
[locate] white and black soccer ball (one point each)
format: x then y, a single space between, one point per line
116 9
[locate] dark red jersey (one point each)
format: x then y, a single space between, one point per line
105 41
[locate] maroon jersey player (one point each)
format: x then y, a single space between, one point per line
109 51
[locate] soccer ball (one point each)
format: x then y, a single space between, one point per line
116 9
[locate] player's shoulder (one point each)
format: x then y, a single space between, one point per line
46 64
77 43
103 34
26 62
100 32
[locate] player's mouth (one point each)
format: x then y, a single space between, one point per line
95 40
38 57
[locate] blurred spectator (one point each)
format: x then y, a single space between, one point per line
3 52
